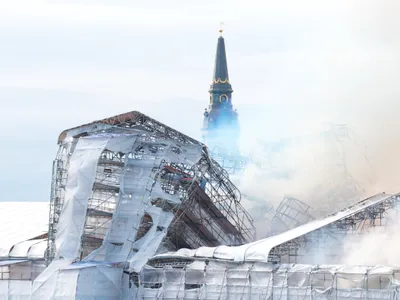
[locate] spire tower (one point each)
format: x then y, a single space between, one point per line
220 129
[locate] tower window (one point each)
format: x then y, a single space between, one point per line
223 98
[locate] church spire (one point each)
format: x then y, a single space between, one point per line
220 81
220 127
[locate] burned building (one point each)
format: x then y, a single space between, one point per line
123 190
129 186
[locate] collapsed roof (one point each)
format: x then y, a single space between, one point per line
263 250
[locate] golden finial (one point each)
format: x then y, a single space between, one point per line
220 28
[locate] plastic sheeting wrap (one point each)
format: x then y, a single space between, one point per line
81 172
99 282
149 244
45 284
21 249
37 251
19 289
63 281
15 289
138 186
3 289
224 280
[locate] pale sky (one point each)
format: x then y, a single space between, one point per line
293 65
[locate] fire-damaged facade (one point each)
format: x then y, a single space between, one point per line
139 182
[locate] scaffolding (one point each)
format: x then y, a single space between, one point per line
233 164
341 188
290 213
58 182
211 215
324 244
20 270
152 165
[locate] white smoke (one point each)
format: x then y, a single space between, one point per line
378 245
320 170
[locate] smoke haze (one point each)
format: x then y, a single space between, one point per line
354 66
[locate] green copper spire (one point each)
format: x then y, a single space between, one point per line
220 82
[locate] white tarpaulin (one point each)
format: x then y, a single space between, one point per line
227 280
45 284
21 249
100 282
81 173
62 281
138 185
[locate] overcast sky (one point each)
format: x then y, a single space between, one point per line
294 65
